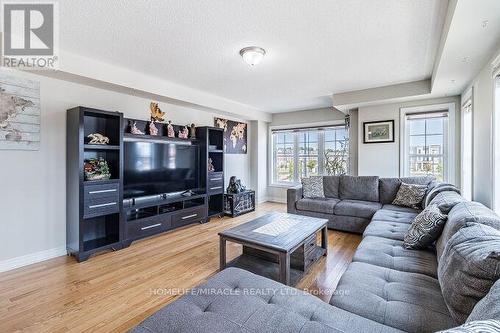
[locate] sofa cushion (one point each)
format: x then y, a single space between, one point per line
470 265
388 188
447 200
390 253
461 214
312 187
331 186
357 208
407 301
425 229
322 205
385 229
235 300
400 208
359 188
410 195
480 326
394 216
439 188
489 306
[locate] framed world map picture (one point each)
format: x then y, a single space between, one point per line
19 113
235 135
378 131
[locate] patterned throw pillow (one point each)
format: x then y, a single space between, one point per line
479 326
410 195
425 229
312 187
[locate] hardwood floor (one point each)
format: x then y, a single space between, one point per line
114 291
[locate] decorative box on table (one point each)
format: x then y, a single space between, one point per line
236 204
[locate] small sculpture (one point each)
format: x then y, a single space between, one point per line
235 186
192 133
134 129
98 139
211 167
183 133
170 130
96 169
156 113
152 129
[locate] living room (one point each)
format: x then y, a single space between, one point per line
237 166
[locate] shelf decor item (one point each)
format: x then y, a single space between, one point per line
192 131
157 114
152 129
211 167
235 186
170 130
183 133
134 129
97 169
98 139
378 131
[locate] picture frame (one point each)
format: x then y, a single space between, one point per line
378 131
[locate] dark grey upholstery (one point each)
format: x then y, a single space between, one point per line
461 214
489 306
388 188
447 200
400 208
407 301
439 188
470 265
293 195
386 229
331 186
394 216
390 253
356 208
359 188
235 300
321 205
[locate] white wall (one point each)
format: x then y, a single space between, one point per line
483 108
32 195
382 159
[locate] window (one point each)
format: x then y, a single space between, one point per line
467 144
427 142
299 153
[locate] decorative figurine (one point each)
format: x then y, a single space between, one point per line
134 129
211 167
235 186
96 169
156 113
170 130
98 139
192 132
183 133
152 129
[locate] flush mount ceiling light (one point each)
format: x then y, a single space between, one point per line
252 55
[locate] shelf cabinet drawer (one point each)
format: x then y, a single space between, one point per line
188 216
93 192
148 227
215 182
100 207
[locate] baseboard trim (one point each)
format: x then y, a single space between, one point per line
276 199
32 258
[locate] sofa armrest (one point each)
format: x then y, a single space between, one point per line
293 195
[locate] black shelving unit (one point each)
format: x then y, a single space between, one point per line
94 208
212 139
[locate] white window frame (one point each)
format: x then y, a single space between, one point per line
448 155
272 183
495 137
468 100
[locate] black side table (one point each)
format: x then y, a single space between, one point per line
236 204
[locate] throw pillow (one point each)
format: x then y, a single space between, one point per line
425 228
469 266
410 195
489 306
479 326
312 187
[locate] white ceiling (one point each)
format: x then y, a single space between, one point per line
314 48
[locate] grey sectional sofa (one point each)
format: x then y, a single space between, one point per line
386 288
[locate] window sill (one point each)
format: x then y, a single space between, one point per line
284 185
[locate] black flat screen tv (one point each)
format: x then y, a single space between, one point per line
155 168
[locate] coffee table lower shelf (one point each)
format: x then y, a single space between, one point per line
271 269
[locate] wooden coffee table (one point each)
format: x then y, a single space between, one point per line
279 246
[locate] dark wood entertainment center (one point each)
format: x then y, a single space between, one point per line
99 218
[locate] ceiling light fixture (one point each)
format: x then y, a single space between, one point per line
252 55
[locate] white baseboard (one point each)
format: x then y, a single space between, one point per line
277 199
32 258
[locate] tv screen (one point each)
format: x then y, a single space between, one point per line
156 168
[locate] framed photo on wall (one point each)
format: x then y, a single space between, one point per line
378 131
